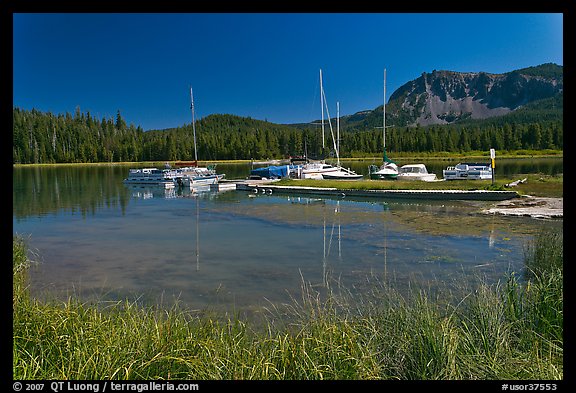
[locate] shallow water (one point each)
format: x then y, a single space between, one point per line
96 238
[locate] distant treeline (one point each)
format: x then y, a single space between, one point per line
64 138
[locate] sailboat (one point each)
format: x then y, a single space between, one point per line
190 174
322 170
388 169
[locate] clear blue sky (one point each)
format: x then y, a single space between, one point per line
265 66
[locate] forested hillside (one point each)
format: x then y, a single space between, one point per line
519 110
48 138
64 138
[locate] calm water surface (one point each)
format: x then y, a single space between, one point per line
97 238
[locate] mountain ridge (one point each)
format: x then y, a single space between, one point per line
448 97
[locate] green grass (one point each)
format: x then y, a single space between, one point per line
536 185
509 330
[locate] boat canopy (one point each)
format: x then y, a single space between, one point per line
274 172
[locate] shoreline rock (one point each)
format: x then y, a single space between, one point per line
529 206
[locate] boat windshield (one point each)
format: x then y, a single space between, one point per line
413 169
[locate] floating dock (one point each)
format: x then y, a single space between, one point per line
223 186
477 195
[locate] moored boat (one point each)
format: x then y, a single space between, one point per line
274 171
388 170
188 173
151 176
415 172
191 176
468 171
322 170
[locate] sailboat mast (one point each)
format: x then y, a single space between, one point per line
331 130
322 106
338 131
193 124
384 115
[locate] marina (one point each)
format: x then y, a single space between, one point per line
409 230
225 245
320 169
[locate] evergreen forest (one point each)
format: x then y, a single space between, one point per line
43 138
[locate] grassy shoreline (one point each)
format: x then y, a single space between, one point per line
536 185
443 156
510 330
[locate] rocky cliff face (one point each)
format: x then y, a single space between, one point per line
443 97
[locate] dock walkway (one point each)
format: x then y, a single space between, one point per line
478 195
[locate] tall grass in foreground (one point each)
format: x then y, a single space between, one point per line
510 330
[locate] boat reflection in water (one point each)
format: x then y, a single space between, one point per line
331 218
328 247
151 191
159 192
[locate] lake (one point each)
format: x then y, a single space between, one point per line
96 238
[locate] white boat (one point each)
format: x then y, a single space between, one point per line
190 176
468 171
150 176
322 170
415 172
388 169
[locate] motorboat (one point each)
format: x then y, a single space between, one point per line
388 170
192 176
415 172
151 176
170 178
468 171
